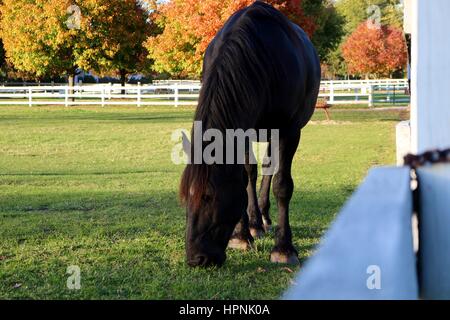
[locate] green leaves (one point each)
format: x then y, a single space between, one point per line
356 11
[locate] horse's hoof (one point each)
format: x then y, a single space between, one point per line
257 233
279 257
240 244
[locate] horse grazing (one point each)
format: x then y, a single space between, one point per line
260 71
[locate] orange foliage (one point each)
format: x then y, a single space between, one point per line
190 25
377 51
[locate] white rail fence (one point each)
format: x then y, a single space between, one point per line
365 91
184 93
175 94
347 93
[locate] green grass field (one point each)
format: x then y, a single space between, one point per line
96 188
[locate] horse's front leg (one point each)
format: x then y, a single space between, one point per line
241 238
283 187
253 211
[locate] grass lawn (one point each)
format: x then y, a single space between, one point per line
95 187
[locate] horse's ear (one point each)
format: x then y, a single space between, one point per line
186 144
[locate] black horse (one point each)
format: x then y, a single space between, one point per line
260 71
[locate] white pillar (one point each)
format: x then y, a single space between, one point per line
430 106
430 129
434 220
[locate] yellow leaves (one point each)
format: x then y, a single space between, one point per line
38 40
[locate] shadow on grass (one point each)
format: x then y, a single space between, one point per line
135 242
311 212
69 174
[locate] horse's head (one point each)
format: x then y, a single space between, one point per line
215 198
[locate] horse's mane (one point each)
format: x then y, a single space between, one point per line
236 83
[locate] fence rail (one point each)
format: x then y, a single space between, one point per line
187 93
367 82
371 239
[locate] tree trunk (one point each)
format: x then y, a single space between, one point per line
123 79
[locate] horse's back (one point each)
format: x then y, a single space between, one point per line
313 72
289 58
298 74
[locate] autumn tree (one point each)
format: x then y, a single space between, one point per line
113 36
188 26
375 51
53 37
352 13
36 38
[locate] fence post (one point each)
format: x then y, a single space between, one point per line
66 96
331 101
370 96
103 96
109 90
139 94
394 94
176 91
30 97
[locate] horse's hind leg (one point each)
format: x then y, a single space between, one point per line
283 187
264 202
264 193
